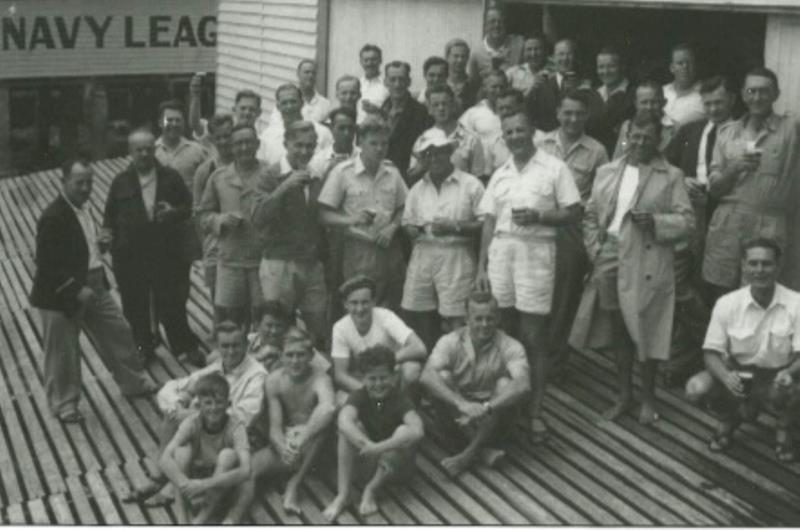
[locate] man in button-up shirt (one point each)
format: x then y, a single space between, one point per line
315 106
477 374
440 219
684 104
752 350
223 211
173 149
373 90
754 173
483 119
527 199
583 155
285 213
366 196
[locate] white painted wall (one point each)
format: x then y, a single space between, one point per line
781 55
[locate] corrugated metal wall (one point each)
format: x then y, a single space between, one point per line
259 45
780 54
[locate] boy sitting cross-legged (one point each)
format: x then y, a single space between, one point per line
378 428
208 459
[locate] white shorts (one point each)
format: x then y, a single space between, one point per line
522 273
439 277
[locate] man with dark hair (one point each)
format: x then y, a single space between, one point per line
754 174
532 71
616 96
499 49
752 352
583 156
223 211
348 94
373 89
478 375
682 96
465 89
173 149
435 71
315 106
648 99
72 294
483 120
146 214
289 104
407 118
246 109
286 215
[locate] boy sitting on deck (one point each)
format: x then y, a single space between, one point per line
300 401
208 459
378 428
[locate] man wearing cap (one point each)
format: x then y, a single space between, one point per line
440 220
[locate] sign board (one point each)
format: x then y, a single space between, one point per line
61 38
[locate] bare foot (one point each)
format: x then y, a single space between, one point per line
455 465
290 499
368 504
620 407
335 508
492 457
648 413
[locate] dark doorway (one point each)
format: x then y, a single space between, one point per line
726 43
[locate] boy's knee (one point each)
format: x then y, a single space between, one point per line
698 386
411 372
183 457
227 459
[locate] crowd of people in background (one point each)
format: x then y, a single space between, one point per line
381 253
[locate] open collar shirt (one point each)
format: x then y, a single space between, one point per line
582 158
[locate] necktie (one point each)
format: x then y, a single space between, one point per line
710 141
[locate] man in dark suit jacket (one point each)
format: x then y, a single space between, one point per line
407 117
71 292
145 214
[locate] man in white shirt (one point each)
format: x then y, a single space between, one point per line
752 352
684 104
483 119
348 94
289 101
373 91
435 71
365 326
315 106
531 195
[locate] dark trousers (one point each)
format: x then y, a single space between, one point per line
168 283
572 263
784 402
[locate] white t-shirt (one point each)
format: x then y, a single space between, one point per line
387 329
627 190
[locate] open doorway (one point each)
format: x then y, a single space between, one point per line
726 43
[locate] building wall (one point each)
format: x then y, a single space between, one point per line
780 54
260 43
411 30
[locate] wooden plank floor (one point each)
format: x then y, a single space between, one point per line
590 471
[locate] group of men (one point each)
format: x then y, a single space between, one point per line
507 214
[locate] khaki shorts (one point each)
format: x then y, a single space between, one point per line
439 277
237 287
522 273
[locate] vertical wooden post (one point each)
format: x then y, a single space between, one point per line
323 27
5 132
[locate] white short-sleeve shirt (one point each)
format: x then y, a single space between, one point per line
387 329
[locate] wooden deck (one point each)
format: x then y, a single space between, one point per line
589 472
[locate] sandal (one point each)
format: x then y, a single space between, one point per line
140 495
71 416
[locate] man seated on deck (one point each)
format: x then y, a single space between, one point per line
378 429
477 375
301 407
208 459
752 352
365 326
177 400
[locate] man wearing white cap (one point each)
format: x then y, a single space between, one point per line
440 219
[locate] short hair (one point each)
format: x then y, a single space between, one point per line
350 113
434 61
653 85
762 242
312 62
761 71
581 95
359 281
244 127
287 86
497 8
373 125
294 335
713 83
496 73
397 64
570 40
444 89
518 96
348 78
212 385
519 112
646 120
682 47
170 104
218 121
247 93
481 298
452 43
227 326
610 50
371 48
82 157
293 130
278 311
376 357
